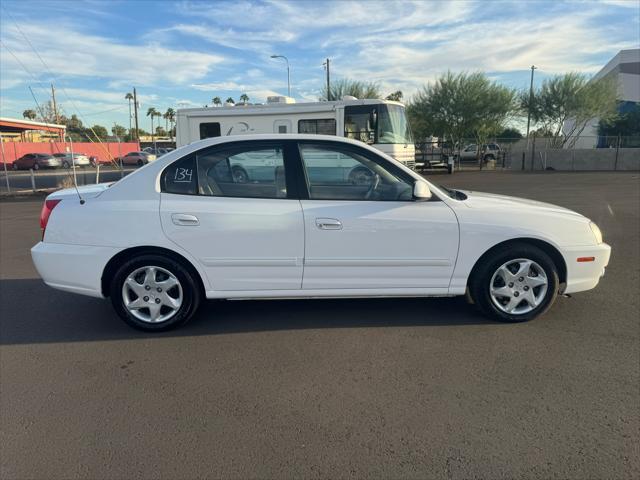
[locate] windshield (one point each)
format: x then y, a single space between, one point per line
393 126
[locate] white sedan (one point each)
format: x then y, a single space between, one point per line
184 228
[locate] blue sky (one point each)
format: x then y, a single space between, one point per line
183 53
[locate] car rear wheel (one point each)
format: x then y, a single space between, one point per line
15 166
65 164
516 285
154 293
36 166
140 163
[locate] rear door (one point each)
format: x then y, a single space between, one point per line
247 232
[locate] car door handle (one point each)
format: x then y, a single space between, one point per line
184 219
328 224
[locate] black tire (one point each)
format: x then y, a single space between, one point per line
190 291
36 166
240 175
15 166
140 163
480 283
65 164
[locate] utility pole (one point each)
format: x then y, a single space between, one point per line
135 112
55 106
533 67
326 64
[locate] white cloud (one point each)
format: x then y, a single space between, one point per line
76 54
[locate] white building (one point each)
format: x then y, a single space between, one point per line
625 67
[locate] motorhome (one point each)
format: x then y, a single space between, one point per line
380 123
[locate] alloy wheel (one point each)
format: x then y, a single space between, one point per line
518 286
152 294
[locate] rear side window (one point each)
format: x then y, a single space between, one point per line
209 130
318 126
181 177
249 171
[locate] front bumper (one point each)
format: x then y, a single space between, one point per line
72 268
583 276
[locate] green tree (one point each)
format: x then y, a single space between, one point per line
100 132
565 104
230 100
244 98
395 96
216 101
29 114
509 135
119 131
355 88
463 105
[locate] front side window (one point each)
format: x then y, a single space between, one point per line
252 172
334 173
360 122
318 126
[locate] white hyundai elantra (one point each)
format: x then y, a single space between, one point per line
281 216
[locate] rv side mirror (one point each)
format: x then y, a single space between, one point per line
421 191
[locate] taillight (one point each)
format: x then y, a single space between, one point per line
47 208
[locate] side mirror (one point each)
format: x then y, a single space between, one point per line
421 191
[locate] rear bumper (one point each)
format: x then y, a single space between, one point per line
583 276
72 268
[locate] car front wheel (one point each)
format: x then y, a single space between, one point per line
154 293
516 285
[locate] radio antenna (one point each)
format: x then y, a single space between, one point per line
73 167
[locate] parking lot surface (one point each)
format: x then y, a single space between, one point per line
382 388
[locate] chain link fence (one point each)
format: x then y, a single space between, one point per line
535 153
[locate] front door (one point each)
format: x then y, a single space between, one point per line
364 230
243 229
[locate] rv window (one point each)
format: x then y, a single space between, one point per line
208 130
319 126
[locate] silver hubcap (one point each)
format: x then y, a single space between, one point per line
152 294
518 286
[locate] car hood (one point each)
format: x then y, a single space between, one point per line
492 201
85 191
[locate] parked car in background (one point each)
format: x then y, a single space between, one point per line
136 158
159 151
36 161
471 153
185 228
79 159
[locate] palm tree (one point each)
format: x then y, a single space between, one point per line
129 97
244 98
170 115
158 114
29 114
151 112
230 100
216 101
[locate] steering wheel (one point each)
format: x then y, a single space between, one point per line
373 187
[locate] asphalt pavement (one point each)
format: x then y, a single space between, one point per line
377 388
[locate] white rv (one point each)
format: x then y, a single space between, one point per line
380 123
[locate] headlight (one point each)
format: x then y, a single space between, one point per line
596 232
